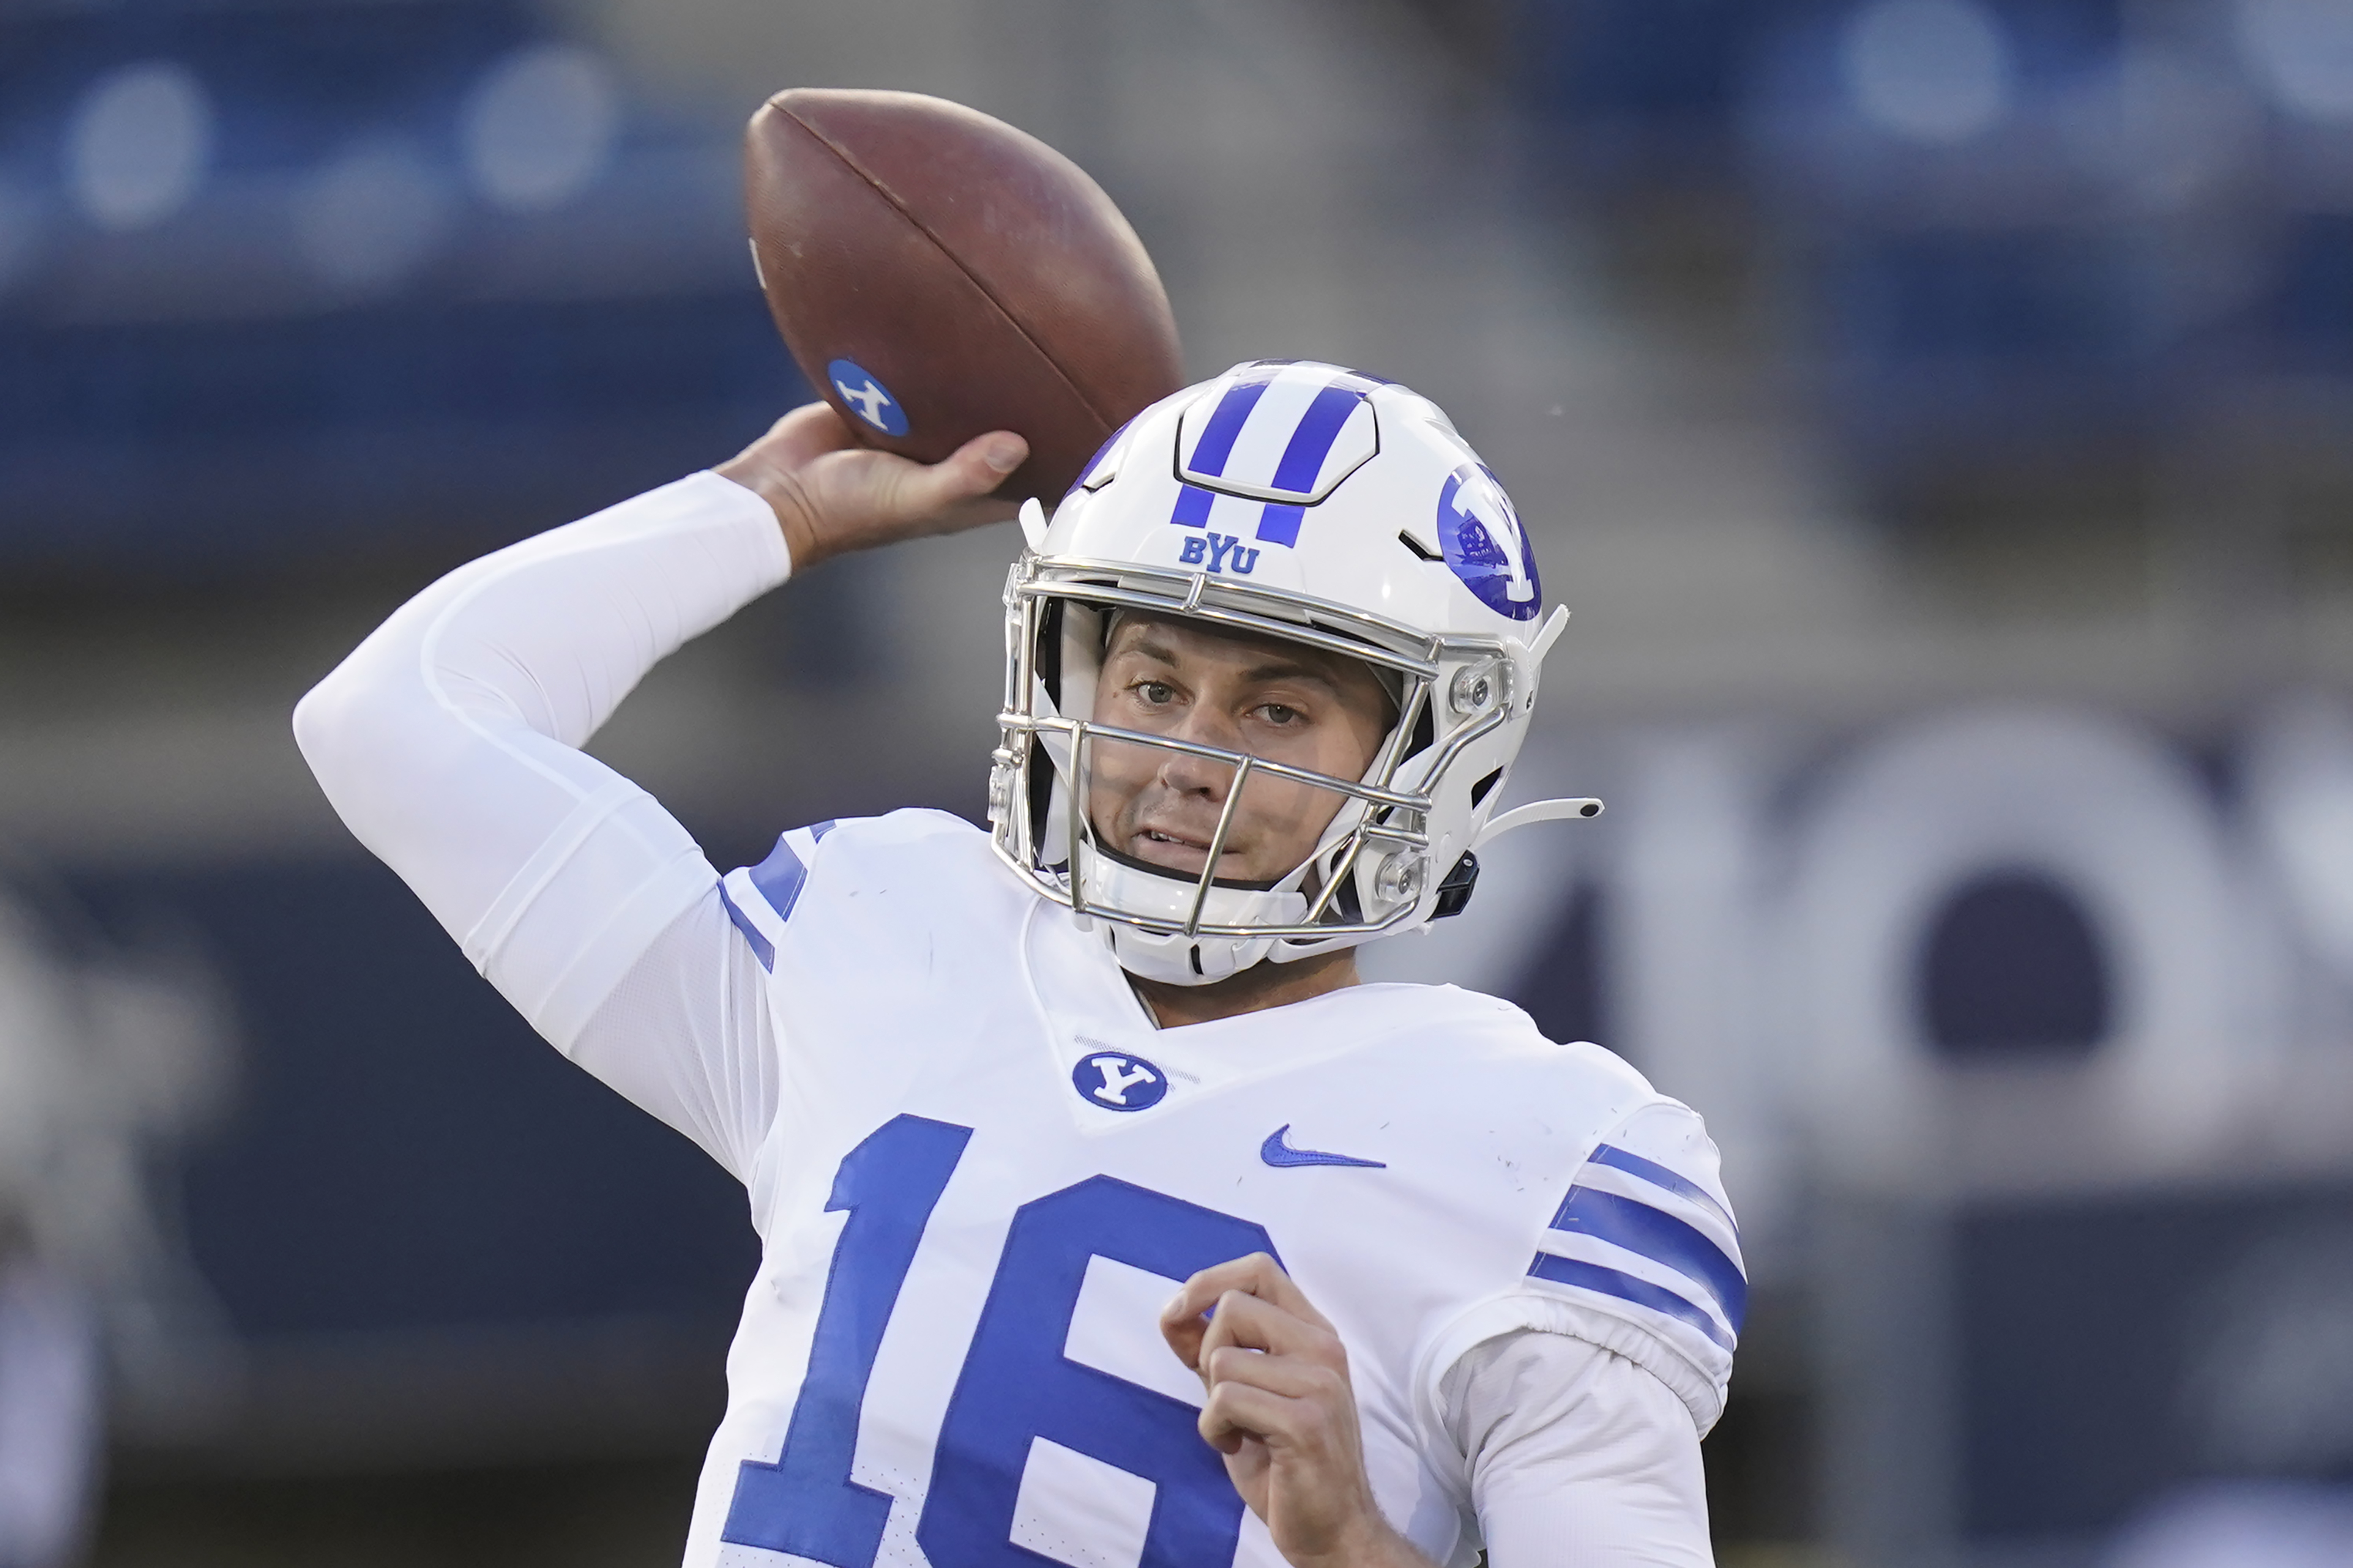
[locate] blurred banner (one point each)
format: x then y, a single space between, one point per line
2035 255
422 1237
286 283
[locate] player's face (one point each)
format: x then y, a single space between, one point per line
1259 696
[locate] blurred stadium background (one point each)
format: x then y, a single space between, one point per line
1939 414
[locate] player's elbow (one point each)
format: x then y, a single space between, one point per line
321 730
339 727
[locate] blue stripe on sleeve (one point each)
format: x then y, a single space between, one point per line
1658 1175
1310 443
1659 1237
1626 1288
1225 424
779 879
817 833
762 947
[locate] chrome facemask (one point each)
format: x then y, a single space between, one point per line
1370 872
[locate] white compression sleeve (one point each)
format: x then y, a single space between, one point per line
1577 1458
448 740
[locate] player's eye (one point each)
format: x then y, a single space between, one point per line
1157 693
1279 714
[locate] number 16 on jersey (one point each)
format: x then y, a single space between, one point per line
1017 1390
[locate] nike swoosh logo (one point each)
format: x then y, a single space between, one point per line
1277 1150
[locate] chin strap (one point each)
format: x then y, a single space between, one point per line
1542 811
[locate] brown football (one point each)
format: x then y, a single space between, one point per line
937 273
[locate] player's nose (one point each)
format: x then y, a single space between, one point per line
1208 720
1188 772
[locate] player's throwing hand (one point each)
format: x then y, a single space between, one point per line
1281 1410
832 495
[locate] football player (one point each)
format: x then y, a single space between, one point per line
1108 1219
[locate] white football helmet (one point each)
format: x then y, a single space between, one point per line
1309 503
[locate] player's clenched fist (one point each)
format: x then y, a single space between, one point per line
832 496
1281 1410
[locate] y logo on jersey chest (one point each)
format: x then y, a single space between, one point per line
1117 1081
1219 552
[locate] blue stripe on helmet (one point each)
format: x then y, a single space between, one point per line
1193 505
1225 425
1310 443
1279 522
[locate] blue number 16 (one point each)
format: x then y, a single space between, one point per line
1016 1385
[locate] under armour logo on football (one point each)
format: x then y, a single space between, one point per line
1220 550
871 400
1117 1081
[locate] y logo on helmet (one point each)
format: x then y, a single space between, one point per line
856 386
1219 552
1485 544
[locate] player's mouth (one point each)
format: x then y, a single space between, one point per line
1177 852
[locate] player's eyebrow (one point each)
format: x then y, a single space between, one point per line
1293 670
1146 647
1142 638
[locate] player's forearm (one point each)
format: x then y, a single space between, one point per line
554 631
448 740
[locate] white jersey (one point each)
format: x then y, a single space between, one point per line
970 1362
978 1169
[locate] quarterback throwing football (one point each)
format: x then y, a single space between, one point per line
1109 1220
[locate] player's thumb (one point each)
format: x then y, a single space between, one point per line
949 494
978 466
